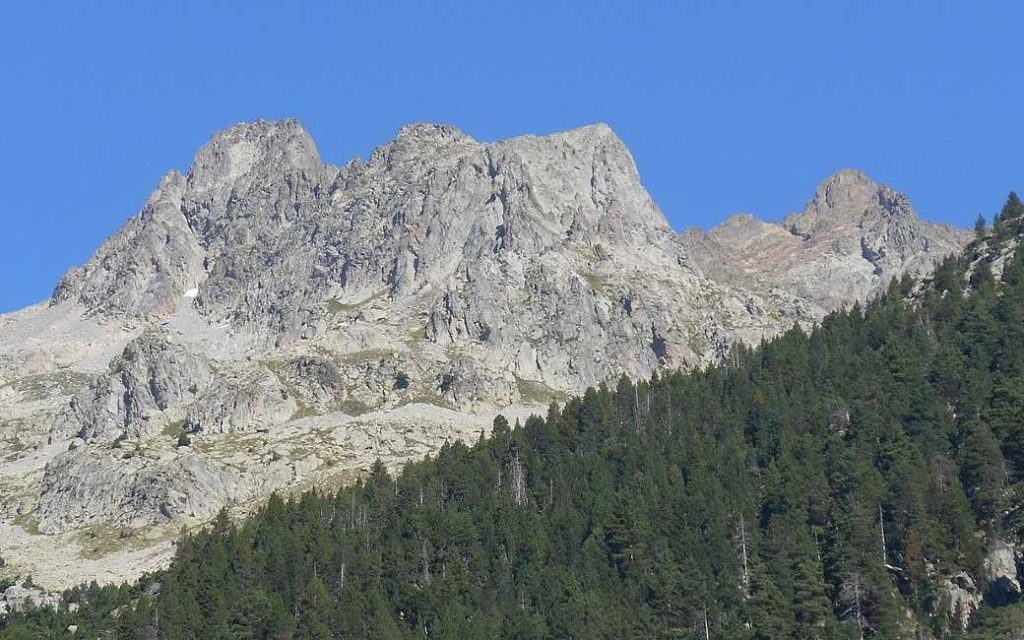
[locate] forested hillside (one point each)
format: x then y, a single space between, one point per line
854 480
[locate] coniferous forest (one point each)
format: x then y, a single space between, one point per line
837 482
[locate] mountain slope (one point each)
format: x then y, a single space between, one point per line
859 479
287 321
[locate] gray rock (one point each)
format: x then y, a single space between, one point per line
851 239
21 598
246 401
958 600
151 376
318 380
1001 570
543 254
91 485
466 383
148 266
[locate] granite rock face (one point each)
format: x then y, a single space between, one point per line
21 598
958 599
147 266
247 401
1001 570
144 385
275 307
315 380
453 233
88 485
543 254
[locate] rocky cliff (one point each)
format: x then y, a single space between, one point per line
268 321
849 241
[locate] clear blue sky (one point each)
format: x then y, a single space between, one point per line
727 106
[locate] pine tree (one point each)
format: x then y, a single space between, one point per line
980 227
983 472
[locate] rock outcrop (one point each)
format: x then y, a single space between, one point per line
958 599
960 596
147 267
19 597
1001 571
317 381
247 401
87 486
151 377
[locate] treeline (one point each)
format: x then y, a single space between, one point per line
827 484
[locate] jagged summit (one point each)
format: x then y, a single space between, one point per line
262 230
421 142
597 132
851 238
848 196
253 150
741 222
597 137
842 188
431 131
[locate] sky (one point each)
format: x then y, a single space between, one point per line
726 106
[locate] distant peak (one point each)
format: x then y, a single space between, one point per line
430 130
264 133
588 141
848 175
249 147
851 191
740 228
594 130
739 220
596 134
260 127
419 140
846 195
847 186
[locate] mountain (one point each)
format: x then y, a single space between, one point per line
271 322
861 478
852 236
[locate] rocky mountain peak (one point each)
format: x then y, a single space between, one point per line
261 230
431 133
585 181
420 144
848 196
586 142
742 229
249 150
597 134
844 186
851 238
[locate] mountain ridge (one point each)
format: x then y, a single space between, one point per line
293 320
860 478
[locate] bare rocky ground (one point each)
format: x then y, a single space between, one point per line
112 514
269 322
